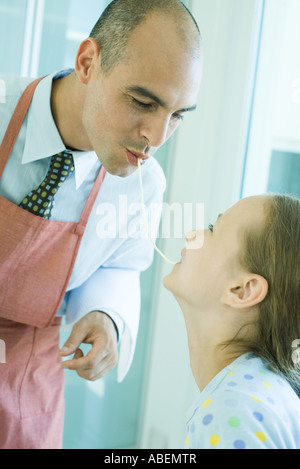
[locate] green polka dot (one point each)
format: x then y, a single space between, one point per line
45 204
44 194
25 201
34 197
234 422
64 173
53 176
67 161
35 208
54 191
57 165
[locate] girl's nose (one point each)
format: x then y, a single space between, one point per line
194 239
190 235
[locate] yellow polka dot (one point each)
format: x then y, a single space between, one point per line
268 385
255 399
187 441
231 373
206 403
261 436
35 208
214 440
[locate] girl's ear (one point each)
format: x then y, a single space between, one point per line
87 53
251 291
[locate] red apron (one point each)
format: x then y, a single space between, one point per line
37 257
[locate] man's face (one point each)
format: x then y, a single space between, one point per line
135 108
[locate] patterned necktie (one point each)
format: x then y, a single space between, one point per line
40 201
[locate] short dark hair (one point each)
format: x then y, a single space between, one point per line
120 19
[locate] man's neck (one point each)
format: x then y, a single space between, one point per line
66 105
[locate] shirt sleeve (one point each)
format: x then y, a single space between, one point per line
114 288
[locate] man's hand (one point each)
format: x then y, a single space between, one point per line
98 330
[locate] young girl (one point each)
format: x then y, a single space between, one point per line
240 296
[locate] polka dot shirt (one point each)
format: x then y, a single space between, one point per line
246 406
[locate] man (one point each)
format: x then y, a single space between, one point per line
134 78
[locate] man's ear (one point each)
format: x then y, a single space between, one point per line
88 54
249 292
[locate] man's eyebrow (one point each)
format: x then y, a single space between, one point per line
148 94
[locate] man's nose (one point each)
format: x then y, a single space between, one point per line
156 131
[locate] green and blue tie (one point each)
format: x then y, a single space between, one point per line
40 201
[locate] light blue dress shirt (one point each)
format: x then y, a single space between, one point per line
106 275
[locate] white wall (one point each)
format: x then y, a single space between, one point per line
206 164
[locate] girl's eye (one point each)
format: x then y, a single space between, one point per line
178 117
211 227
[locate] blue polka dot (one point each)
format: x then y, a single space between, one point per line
258 416
232 383
239 444
193 427
207 419
248 377
270 400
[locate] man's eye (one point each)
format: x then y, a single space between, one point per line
141 104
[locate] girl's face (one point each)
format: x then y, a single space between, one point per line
205 273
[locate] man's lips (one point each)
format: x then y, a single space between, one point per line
133 157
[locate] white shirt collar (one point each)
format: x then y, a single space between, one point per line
42 137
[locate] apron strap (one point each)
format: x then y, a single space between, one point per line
91 200
15 124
